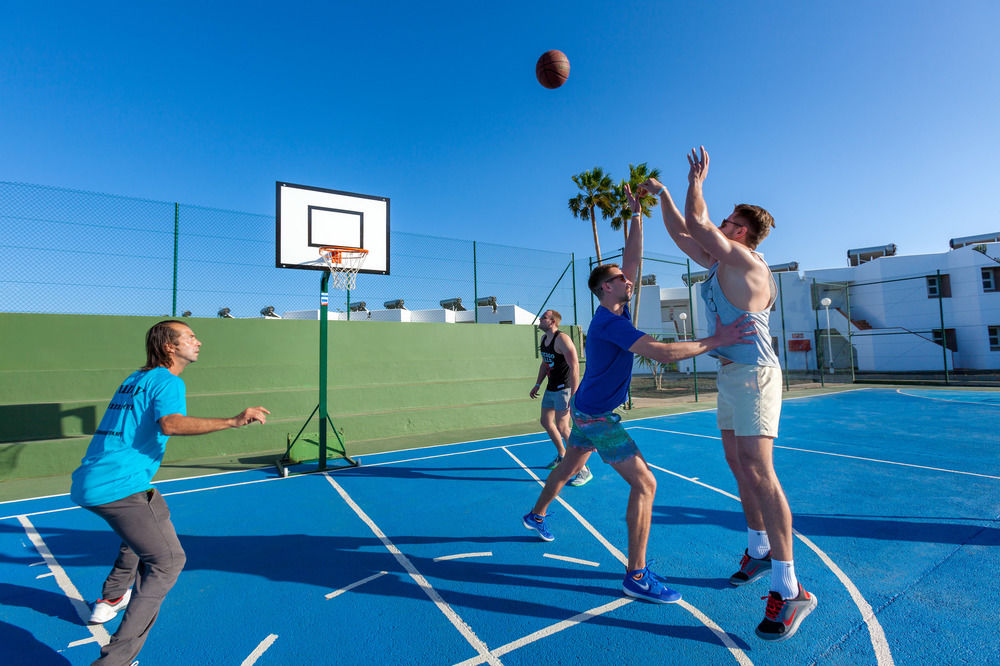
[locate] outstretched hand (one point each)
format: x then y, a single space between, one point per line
651 186
633 201
699 166
736 332
250 415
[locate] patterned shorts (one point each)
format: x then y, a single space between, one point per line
603 433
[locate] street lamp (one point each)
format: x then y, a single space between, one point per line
683 317
829 343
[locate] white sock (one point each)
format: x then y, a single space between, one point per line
783 580
757 544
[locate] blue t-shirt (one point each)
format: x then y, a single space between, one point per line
128 446
609 362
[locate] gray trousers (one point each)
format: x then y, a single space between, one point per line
151 557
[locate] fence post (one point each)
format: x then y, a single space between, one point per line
590 270
850 333
572 260
475 284
694 359
818 336
944 337
173 309
784 336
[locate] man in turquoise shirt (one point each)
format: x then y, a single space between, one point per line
115 477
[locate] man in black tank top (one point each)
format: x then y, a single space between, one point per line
560 365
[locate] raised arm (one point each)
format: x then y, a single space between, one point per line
632 254
675 224
701 228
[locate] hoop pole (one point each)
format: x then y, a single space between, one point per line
324 299
694 359
475 284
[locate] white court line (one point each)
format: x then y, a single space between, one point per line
359 583
44 575
442 605
460 556
551 629
98 632
883 655
259 650
828 453
565 558
964 402
723 637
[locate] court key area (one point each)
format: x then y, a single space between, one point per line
419 556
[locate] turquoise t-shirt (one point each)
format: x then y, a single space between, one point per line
609 362
128 445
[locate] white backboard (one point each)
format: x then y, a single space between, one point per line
308 218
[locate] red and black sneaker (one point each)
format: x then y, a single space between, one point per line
751 569
783 616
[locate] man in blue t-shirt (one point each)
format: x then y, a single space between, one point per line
114 481
612 341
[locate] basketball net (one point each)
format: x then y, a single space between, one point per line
344 264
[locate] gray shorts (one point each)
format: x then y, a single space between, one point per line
557 400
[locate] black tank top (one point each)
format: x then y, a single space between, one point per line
558 367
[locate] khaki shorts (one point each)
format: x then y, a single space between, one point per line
749 399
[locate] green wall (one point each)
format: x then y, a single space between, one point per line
386 380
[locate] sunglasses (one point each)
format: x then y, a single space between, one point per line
620 276
735 224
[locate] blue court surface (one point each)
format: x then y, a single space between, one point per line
419 557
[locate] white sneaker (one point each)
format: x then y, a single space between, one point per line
105 610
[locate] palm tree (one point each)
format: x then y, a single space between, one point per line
596 192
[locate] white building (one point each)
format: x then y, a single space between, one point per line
895 311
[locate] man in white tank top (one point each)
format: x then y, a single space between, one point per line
749 384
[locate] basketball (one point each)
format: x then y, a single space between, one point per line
552 69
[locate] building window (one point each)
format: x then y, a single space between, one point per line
934 289
994 338
991 279
949 336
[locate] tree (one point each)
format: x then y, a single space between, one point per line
657 367
596 192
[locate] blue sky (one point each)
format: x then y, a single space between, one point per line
855 123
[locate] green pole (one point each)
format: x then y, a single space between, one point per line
348 305
944 337
591 270
694 359
324 300
475 283
819 341
850 333
784 337
177 219
572 260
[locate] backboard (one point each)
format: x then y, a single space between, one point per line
308 218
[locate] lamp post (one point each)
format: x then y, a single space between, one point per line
829 343
683 317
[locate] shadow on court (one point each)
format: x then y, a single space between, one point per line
18 646
884 528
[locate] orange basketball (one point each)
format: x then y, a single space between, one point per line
552 69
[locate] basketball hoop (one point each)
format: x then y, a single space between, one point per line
344 264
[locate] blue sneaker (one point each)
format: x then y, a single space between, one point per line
650 587
533 521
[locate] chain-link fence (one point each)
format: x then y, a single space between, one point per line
73 252
904 329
